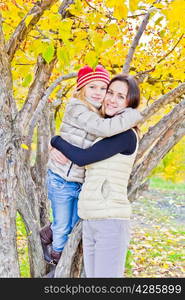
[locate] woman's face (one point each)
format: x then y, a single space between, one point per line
96 90
116 98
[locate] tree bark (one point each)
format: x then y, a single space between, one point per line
70 264
165 143
36 92
135 43
155 132
39 170
9 266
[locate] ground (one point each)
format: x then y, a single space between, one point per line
157 247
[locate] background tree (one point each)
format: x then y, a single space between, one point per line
43 44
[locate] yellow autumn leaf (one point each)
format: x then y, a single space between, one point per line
112 29
28 19
175 14
111 3
33 146
120 11
165 266
76 8
133 4
80 35
24 146
65 29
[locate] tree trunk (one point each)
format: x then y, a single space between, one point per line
9 266
28 207
70 264
39 169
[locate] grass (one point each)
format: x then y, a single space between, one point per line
156 254
22 247
160 183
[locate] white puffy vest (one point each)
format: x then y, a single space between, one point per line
104 192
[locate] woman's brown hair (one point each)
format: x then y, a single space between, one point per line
133 96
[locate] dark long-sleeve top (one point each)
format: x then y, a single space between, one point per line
124 143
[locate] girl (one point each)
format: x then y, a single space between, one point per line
81 125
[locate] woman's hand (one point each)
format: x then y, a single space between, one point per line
57 155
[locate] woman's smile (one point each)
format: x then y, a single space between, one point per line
116 98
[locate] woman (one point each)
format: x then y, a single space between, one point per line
81 125
103 204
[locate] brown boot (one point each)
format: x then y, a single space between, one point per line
46 237
46 234
55 255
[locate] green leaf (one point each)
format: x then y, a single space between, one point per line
65 29
91 59
157 22
27 80
63 56
48 53
21 14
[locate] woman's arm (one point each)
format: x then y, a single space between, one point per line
124 143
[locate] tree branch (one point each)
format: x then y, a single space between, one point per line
173 48
165 143
141 76
7 103
22 29
65 4
162 101
37 114
64 265
155 132
36 91
135 42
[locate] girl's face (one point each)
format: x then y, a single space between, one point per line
116 98
96 90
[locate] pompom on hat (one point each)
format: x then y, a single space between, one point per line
87 74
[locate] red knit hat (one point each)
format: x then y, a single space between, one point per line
87 74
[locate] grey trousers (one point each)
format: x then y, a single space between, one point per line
105 244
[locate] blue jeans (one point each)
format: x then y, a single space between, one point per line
64 197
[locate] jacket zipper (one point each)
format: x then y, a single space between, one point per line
69 169
72 162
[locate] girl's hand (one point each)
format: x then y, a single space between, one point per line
58 156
